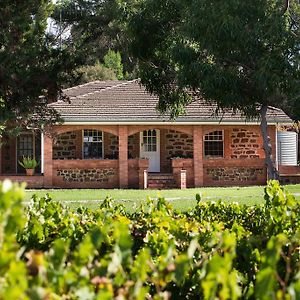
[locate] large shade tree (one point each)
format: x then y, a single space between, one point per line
95 28
243 55
32 63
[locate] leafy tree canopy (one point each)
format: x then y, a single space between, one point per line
239 53
244 55
96 27
92 73
112 60
33 64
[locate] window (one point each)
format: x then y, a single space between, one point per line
25 145
214 144
92 144
28 144
149 140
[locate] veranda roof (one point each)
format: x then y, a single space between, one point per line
129 102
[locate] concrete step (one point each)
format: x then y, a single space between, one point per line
161 181
160 176
157 186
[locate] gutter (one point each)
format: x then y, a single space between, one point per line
167 123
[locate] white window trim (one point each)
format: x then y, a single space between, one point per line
82 144
17 143
223 142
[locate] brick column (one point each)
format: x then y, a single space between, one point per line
123 156
227 142
48 167
198 155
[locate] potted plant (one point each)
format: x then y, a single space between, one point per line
29 164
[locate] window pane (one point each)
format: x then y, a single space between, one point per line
149 140
93 144
213 144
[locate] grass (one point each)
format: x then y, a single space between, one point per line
180 199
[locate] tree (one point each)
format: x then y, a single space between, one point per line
92 73
243 55
112 60
95 27
33 64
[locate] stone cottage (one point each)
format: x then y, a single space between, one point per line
113 137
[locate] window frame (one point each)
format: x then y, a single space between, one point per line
18 157
214 156
151 142
102 143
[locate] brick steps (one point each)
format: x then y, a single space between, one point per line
161 181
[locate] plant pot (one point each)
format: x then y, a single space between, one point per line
29 172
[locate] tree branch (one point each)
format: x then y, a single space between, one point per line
286 6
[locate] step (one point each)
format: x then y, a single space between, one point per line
161 181
157 186
160 176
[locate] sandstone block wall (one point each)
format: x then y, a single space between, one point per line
178 144
244 143
234 174
174 144
111 146
86 175
134 146
66 145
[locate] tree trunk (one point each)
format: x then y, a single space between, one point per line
272 172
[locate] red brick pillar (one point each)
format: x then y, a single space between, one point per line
198 155
48 167
143 165
123 156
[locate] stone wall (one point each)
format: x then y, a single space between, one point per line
64 146
234 174
111 146
178 144
134 146
86 175
244 143
81 173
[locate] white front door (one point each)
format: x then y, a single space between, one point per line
150 141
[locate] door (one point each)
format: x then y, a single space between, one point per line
150 141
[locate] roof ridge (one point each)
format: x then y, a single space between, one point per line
84 84
106 88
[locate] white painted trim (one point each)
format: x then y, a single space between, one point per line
276 150
157 152
82 146
203 145
42 152
170 123
17 146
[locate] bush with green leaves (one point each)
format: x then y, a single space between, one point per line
28 162
213 251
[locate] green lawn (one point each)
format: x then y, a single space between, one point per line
181 199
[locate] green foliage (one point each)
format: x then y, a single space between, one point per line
240 54
95 28
215 251
96 72
28 162
113 61
32 63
